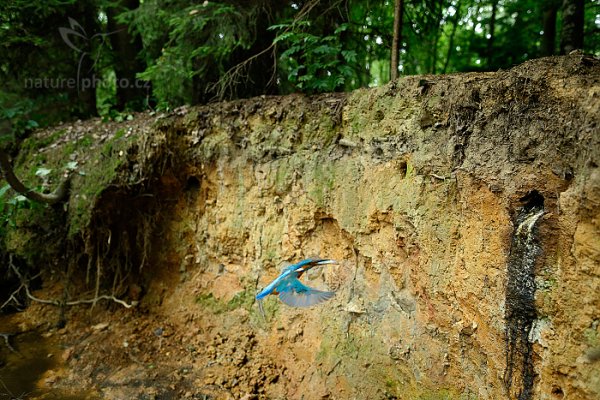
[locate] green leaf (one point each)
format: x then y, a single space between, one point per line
277 26
31 124
42 172
4 189
284 36
17 199
10 112
349 55
341 28
325 49
289 52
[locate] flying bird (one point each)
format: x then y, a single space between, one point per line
293 292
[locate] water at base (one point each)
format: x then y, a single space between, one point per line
23 361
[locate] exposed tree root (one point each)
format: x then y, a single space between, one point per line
25 286
60 194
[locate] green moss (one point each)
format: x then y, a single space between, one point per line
86 141
209 303
35 143
68 149
592 336
98 168
271 308
322 181
410 170
440 394
119 134
320 130
101 168
282 177
243 299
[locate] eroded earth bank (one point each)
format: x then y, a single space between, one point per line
464 211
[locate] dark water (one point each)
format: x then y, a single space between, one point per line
22 367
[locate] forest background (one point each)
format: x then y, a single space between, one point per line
65 59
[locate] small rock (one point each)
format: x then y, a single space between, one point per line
67 354
355 308
593 355
347 143
49 381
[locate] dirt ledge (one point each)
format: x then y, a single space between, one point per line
414 186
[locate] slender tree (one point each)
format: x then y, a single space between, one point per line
549 13
437 13
452 35
490 43
127 46
397 38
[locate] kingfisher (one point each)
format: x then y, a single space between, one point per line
289 288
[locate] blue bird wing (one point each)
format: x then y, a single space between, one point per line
295 294
279 281
288 281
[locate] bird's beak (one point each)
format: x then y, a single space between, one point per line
323 262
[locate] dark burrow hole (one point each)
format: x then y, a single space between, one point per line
403 168
557 392
532 200
192 184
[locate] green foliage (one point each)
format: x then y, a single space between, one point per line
14 206
17 117
188 45
36 63
314 63
195 52
591 31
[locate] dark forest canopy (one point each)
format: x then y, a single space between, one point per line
64 59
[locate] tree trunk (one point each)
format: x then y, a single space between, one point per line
126 48
490 43
548 44
397 39
85 97
452 34
572 27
